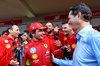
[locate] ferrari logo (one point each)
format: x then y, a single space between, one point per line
45 45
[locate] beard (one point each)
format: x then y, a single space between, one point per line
49 31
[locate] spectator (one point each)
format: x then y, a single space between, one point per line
25 36
26 39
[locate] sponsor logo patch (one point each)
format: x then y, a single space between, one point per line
32 50
8 46
34 56
45 45
73 46
6 41
65 38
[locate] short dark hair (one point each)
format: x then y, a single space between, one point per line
84 9
9 27
65 22
3 32
26 31
49 22
32 33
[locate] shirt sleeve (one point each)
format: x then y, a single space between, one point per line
3 60
52 48
62 62
95 43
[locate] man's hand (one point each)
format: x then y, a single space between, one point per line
15 63
58 43
56 29
66 48
52 57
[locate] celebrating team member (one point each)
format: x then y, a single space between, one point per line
8 45
38 49
68 37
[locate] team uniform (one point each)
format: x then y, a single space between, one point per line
55 48
6 49
39 52
3 60
65 40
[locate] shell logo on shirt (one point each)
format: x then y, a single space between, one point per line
34 56
65 38
32 50
73 46
6 41
45 45
8 46
36 61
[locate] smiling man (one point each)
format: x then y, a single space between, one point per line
38 49
87 51
68 37
6 44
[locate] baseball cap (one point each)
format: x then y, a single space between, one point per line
36 25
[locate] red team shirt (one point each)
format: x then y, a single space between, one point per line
39 52
70 40
54 48
6 49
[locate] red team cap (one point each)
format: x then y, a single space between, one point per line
36 25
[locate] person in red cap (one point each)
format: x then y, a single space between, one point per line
38 50
7 44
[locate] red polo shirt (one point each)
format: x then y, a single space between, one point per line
70 40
